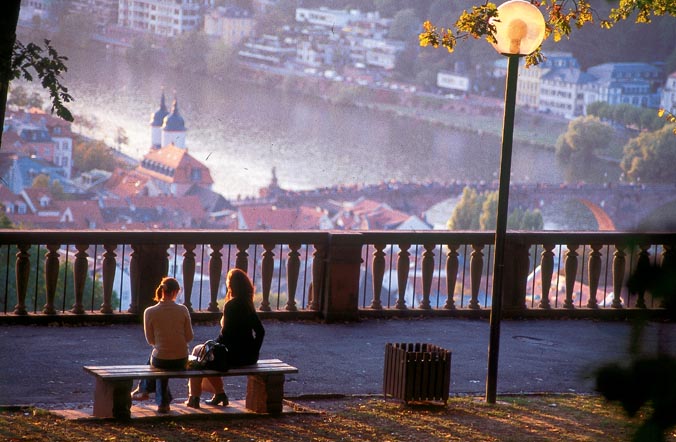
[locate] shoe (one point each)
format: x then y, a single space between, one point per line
138 395
164 409
193 402
217 399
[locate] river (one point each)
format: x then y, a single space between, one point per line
240 131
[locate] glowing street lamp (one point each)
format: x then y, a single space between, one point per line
519 31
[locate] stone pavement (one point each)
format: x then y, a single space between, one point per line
42 365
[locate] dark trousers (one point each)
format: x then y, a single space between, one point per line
161 386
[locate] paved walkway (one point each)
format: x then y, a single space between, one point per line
43 365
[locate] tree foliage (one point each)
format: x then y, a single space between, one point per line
627 115
650 157
19 96
45 62
479 211
561 17
88 155
584 136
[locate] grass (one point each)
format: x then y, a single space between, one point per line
518 418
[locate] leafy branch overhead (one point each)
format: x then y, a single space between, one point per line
31 59
561 16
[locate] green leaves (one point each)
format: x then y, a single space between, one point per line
31 59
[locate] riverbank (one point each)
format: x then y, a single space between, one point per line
475 114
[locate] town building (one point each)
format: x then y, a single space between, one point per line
668 98
636 84
100 12
167 18
230 24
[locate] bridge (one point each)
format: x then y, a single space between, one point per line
614 206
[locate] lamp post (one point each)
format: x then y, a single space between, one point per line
520 29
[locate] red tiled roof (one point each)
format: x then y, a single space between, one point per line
180 161
85 212
126 183
269 217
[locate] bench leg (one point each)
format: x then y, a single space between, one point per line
113 399
264 393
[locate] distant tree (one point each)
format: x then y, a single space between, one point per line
188 52
626 115
670 62
584 136
88 155
40 182
220 59
520 219
478 211
19 96
465 216
387 8
489 212
85 26
142 50
57 190
404 25
5 222
651 157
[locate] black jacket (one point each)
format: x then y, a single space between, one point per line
242 333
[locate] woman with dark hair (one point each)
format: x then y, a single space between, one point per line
168 329
241 332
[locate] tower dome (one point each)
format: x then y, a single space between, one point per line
173 128
174 122
157 117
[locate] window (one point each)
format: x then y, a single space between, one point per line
196 175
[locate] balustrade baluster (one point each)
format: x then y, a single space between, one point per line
571 274
619 263
546 272
215 269
403 267
452 265
318 262
642 264
267 270
51 277
189 267
134 277
668 265
427 275
79 277
378 274
594 274
292 272
22 271
242 259
476 267
108 277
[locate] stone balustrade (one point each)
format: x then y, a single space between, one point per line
329 275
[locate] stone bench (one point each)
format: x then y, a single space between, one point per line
112 396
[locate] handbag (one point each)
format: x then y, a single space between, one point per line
212 356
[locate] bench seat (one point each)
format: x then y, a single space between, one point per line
112 396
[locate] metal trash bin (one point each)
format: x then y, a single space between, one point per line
417 372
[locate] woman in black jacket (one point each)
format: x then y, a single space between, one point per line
241 332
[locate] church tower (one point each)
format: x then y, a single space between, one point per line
156 120
173 128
